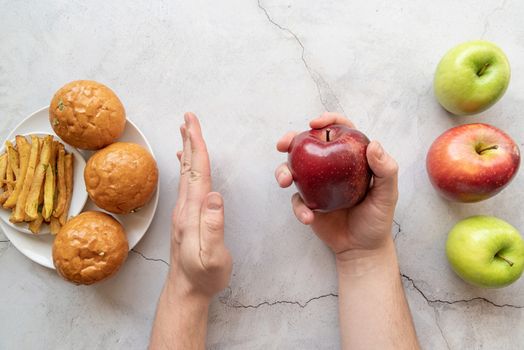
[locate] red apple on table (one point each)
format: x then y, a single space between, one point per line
472 162
329 167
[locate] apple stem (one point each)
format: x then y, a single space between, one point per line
480 151
483 69
327 134
505 259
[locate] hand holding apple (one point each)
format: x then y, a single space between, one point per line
471 77
472 162
366 226
329 167
486 251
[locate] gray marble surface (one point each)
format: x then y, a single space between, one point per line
252 71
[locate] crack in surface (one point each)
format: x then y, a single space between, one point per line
399 231
447 302
437 322
327 97
451 302
237 305
488 16
150 259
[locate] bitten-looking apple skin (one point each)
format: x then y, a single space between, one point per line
472 162
330 172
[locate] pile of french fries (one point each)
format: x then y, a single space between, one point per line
36 182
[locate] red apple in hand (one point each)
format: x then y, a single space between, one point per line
329 167
472 162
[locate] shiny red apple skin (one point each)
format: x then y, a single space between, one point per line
472 162
332 174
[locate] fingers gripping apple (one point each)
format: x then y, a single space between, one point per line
329 167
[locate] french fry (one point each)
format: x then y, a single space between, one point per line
18 214
9 183
41 197
60 181
54 226
40 147
4 196
55 170
49 193
24 151
69 187
31 205
35 225
50 184
56 147
40 207
12 154
3 169
37 182
9 176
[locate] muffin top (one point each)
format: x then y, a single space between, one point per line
89 247
87 115
121 178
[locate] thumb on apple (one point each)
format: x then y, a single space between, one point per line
385 175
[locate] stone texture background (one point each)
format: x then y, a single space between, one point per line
253 70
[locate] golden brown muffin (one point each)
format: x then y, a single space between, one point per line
121 178
89 248
87 114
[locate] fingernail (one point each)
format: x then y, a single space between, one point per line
283 174
380 151
304 217
214 202
186 117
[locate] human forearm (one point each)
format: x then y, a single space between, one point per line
373 310
200 262
374 313
181 318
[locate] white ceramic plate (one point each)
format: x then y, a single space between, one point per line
39 247
78 199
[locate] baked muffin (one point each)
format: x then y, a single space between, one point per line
89 247
87 115
121 178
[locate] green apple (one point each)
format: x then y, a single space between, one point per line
486 251
471 77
